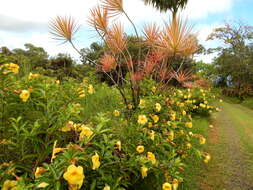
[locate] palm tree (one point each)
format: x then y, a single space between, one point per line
164 5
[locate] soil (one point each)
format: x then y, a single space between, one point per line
231 165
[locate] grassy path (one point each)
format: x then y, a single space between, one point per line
230 143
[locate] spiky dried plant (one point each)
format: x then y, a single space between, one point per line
152 61
182 76
63 28
107 63
151 33
114 7
177 38
116 39
98 19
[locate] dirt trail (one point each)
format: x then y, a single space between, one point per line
230 143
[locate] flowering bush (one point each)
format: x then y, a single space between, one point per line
47 143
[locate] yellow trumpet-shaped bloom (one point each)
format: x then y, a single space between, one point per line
144 172
95 161
9 184
25 94
74 176
158 107
167 186
140 149
151 157
142 119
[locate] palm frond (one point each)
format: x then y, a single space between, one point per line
63 28
98 19
114 7
178 39
116 39
151 34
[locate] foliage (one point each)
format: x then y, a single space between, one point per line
164 5
233 66
58 124
119 61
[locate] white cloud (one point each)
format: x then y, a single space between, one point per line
197 9
26 21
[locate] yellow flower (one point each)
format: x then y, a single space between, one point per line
152 135
57 82
144 172
56 150
158 107
142 119
188 145
140 149
207 158
86 131
90 89
167 186
11 68
68 126
151 157
9 184
205 102
130 106
14 68
82 94
153 89
184 113
155 118
188 124
43 185
202 140
107 187
142 103
95 161
74 176
221 100
171 135
118 144
116 113
172 115
175 184
33 76
150 124
202 105
210 126
25 94
39 171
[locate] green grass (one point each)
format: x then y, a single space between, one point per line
248 103
194 166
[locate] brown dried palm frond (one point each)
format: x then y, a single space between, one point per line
114 7
116 39
151 34
98 19
63 28
182 76
108 63
177 38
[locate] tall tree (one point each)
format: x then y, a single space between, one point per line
164 5
234 59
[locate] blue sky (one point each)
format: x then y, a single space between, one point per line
27 21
